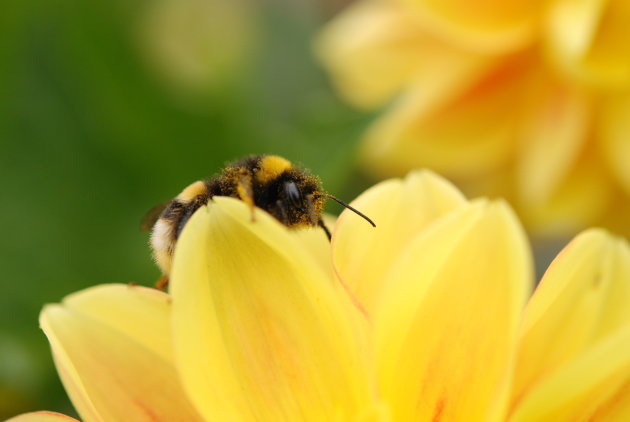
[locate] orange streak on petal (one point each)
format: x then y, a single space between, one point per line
615 409
439 408
509 70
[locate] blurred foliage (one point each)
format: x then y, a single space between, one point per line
96 127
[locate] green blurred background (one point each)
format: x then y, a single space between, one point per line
109 107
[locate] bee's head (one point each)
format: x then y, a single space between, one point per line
299 201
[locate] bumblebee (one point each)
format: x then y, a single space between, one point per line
289 193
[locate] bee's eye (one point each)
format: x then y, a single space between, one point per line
293 193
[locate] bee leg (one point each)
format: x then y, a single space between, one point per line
315 219
246 192
283 211
321 224
162 283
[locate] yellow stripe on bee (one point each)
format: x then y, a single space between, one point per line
192 191
271 167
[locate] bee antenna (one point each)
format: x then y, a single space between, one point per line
339 201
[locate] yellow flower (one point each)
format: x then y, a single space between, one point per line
529 100
198 46
423 318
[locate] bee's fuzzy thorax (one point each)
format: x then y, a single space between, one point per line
289 193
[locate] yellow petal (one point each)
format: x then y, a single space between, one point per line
374 49
553 140
42 416
261 332
401 209
584 195
455 128
370 50
616 216
572 24
616 409
613 132
446 328
576 330
584 389
111 345
491 26
314 240
589 40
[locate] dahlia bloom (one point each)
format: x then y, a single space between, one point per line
527 100
427 317
197 46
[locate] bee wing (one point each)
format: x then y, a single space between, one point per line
148 221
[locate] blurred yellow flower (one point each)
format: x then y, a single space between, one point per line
422 319
198 46
528 100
